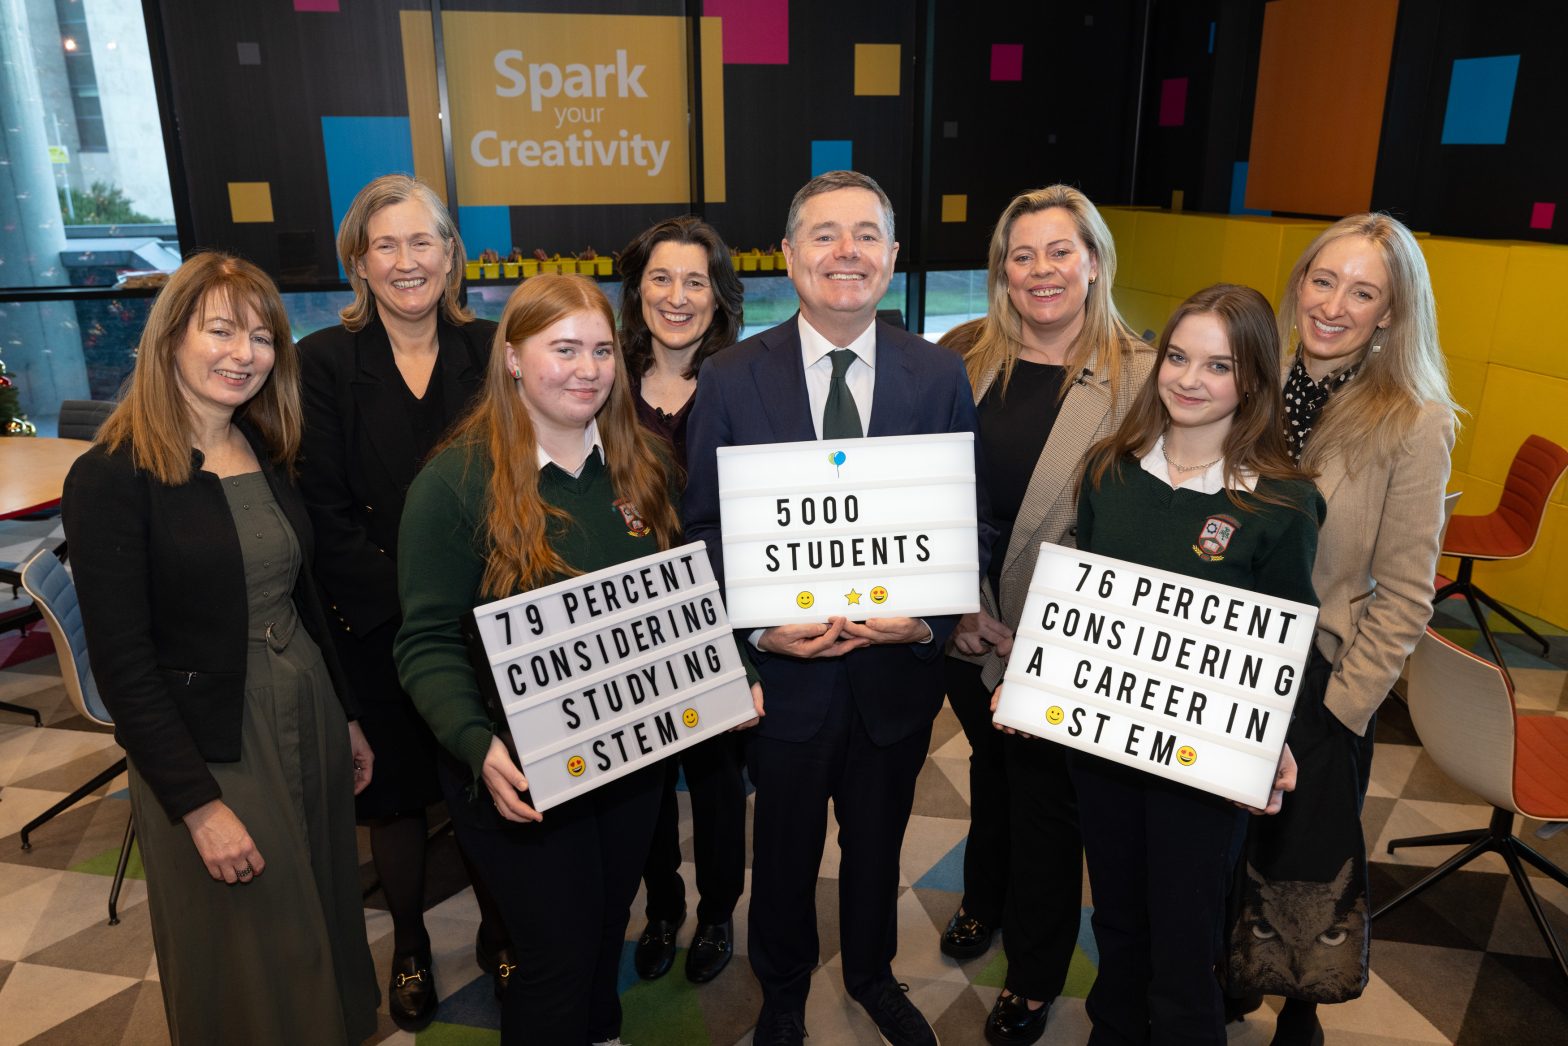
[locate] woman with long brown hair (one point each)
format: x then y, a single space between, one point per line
191 550
530 489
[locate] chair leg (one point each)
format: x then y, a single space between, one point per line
71 800
1445 839
1513 619
119 870
1485 844
1532 902
6 706
1529 853
1486 631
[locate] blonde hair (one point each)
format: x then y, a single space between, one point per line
1368 418
154 416
354 242
1104 334
518 522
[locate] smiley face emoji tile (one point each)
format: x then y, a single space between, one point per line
879 595
1186 755
575 766
689 717
1053 715
804 600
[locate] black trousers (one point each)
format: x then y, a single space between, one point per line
718 818
873 789
565 888
1161 857
1023 864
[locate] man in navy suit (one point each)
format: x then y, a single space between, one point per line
849 705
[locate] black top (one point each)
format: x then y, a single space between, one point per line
1013 431
671 426
427 418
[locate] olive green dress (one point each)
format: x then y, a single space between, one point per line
282 958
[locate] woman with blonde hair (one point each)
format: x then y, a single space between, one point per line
190 549
1054 368
381 390
1368 410
534 486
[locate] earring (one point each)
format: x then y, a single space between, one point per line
1092 279
516 372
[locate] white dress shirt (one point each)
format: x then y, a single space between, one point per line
1210 481
591 443
861 376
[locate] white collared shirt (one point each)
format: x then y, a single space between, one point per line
1210 481
591 443
861 377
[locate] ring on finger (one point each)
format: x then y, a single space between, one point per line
245 873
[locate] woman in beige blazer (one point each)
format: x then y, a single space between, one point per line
1368 410
1054 368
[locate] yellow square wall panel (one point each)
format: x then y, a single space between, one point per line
1467 382
1516 404
250 201
1144 311
1123 224
1250 255
1200 247
1148 266
1293 240
877 68
1554 595
955 208
1467 281
1528 316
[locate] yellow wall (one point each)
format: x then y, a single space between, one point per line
1500 308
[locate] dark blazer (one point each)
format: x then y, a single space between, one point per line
756 393
161 582
358 455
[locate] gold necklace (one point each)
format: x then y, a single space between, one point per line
1194 468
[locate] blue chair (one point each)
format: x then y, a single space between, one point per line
45 578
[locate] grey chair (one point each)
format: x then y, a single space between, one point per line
45 578
81 419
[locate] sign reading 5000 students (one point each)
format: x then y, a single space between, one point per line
856 528
603 673
1191 681
577 109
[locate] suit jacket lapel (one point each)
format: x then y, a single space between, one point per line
893 395
1332 476
1088 401
377 388
781 384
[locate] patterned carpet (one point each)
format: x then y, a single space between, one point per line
1462 964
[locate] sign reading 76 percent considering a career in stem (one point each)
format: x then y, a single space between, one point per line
857 528
1192 681
600 674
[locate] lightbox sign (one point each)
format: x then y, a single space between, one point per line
875 527
1187 680
601 674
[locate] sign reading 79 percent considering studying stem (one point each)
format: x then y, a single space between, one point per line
1188 680
600 674
874 527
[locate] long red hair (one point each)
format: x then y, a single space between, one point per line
518 521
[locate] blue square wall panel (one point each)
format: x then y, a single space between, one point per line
832 155
1480 98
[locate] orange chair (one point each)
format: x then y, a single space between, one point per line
1507 532
1463 709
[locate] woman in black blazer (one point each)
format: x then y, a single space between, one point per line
381 390
209 645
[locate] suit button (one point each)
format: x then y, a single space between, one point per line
1072 532
370 508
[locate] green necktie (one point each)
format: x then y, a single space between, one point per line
841 418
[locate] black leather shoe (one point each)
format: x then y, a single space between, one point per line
1013 1023
411 994
710 951
779 1028
656 948
966 937
499 964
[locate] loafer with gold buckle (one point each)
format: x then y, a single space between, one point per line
411 994
499 964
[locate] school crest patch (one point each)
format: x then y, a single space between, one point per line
634 523
1214 538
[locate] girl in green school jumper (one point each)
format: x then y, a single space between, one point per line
1201 441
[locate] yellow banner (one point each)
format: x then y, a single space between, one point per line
574 109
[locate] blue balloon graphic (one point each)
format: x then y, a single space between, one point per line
838 457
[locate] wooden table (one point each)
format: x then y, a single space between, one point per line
32 472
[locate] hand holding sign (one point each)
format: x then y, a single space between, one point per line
829 640
889 630
507 784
